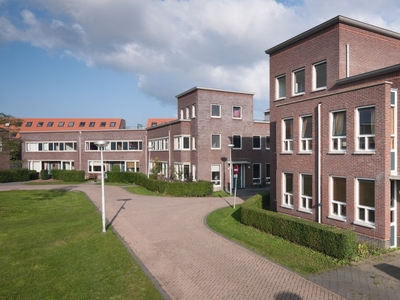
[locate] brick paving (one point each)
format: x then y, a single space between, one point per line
188 261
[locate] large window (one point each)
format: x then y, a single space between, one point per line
288 135
338 197
50 146
116 146
281 87
267 173
338 140
298 81
288 189
182 143
366 201
366 128
216 141
256 142
236 112
267 142
216 174
319 75
257 174
215 111
306 133
306 192
237 141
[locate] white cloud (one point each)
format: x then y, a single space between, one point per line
174 45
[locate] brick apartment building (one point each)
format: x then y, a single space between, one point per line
195 146
334 128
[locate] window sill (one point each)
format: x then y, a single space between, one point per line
363 224
287 206
319 89
337 218
336 152
364 152
298 94
286 152
305 210
304 152
280 99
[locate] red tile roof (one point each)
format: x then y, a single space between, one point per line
158 121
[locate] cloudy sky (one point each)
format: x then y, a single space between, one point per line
130 58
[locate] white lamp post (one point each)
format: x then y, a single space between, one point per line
102 145
230 167
149 148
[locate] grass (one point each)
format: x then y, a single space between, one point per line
49 182
298 258
52 247
139 190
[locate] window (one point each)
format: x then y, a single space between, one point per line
82 124
61 124
50 124
216 141
187 113
1 145
193 143
366 129
256 174
112 124
28 124
319 75
306 133
186 142
288 189
181 143
306 192
103 124
236 112
288 135
91 124
39 124
95 166
267 173
216 174
267 142
71 124
237 141
366 201
338 131
298 81
281 87
215 111
256 142
193 110
338 197
393 131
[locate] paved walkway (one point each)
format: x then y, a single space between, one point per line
189 261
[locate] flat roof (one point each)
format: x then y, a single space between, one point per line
210 89
333 21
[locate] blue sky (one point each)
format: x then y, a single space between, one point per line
130 58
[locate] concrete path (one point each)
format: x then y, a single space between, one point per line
189 261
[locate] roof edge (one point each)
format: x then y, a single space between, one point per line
210 89
390 69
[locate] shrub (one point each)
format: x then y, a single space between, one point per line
68 175
33 175
126 177
329 240
15 175
44 174
116 168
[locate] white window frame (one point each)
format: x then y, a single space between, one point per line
219 110
179 142
367 139
315 76
305 200
393 134
193 110
216 168
363 208
338 143
306 142
296 89
219 141
287 143
259 137
280 81
338 209
287 199
182 114
187 113
193 143
239 108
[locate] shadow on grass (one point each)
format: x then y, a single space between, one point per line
39 195
236 215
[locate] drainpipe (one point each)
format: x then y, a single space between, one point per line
319 163
169 152
80 152
347 60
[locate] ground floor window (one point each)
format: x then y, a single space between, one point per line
51 165
256 174
182 171
288 189
216 174
338 197
366 201
306 192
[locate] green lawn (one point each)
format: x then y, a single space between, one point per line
298 258
52 247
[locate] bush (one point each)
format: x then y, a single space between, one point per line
126 177
116 168
68 175
33 175
329 240
44 174
15 175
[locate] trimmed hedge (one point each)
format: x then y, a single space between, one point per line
15 175
68 175
44 174
175 188
332 241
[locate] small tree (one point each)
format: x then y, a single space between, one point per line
11 143
156 169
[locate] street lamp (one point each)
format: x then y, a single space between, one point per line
230 167
102 145
149 148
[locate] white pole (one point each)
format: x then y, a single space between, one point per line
230 170
234 198
103 204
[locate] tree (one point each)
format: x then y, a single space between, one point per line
10 142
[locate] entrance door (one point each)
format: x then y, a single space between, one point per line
393 214
240 179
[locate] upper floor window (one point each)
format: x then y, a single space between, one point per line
267 142
82 124
39 124
28 124
306 133
281 87
236 112
71 124
256 142
182 143
319 73
91 124
103 124
237 141
50 124
288 135
338 140
366 128
112 124
215 111
61 124
299 81
193 110
187 113
216 141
